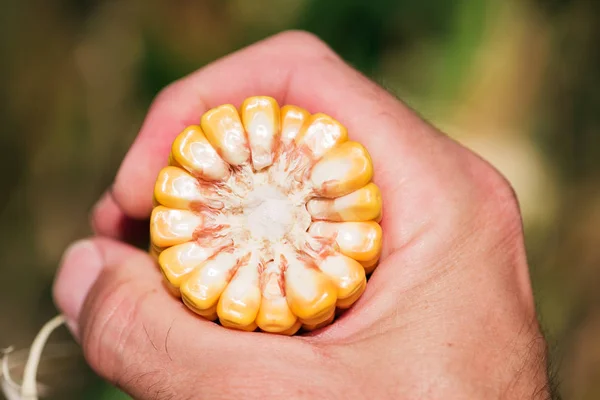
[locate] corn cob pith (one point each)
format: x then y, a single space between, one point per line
267 217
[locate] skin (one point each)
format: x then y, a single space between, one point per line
448 314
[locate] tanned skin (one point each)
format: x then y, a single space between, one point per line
448 314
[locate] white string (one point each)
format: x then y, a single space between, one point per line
29 386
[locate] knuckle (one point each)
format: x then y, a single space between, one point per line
502 192
302 42
498 200
168 92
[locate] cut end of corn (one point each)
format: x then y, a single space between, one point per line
266 218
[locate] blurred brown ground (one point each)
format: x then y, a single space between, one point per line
517 80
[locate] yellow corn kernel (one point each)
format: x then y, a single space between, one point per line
369 266
275 314
154 252
175 188
364 204
320 134
177 262
209 314
154 249
292 120
223 129
173 291
360 240
204 285
311 326
344 169
351 299
173 162
192 151
295 328
379 217
261 119
228 324
347 274
169 227
240 302
310 294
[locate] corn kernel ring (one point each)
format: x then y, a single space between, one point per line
266 217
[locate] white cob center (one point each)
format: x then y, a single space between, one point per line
270 213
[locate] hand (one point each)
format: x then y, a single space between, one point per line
449 312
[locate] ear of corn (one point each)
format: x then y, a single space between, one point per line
267 218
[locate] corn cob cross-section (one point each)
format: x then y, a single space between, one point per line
266 217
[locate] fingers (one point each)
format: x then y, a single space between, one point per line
295 68
108 219
90 265
139 338
82 263
128 326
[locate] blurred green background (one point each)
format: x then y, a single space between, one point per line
516 80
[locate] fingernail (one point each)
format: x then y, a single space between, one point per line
73 328
80 266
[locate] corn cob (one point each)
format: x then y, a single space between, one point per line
266 217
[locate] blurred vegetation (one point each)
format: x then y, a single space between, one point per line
516 80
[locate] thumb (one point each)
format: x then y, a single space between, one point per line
129 327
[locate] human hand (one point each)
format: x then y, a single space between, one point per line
448 313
